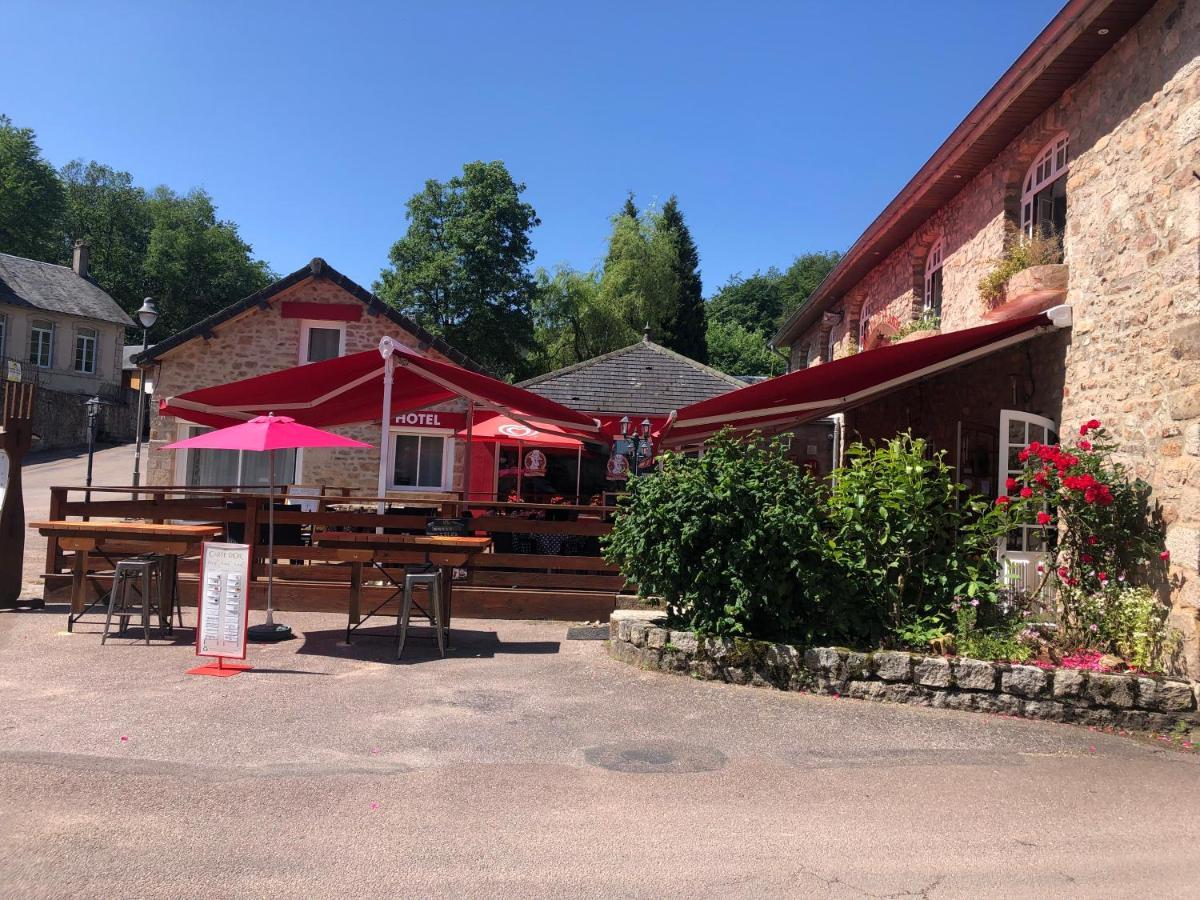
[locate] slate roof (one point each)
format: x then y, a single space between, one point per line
317 268
642 378
40 285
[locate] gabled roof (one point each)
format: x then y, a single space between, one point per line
42 285
644 378
317 268
1081 33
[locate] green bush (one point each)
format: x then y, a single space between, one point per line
731 542
907 539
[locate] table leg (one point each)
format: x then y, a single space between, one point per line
169 591
78 587
356 581
447 599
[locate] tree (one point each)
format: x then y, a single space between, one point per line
196 264
755 303
684 329
735 349
105 208
803 276
31 197
461 269
571 323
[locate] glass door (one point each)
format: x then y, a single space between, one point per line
1025 547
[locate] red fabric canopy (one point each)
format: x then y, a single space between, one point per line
350 389
494 428
811 393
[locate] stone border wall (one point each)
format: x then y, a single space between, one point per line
1060 695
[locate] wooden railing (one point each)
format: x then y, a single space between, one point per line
545 561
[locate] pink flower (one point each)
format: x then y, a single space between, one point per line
1026 492
1002 500
1165 555
1043 517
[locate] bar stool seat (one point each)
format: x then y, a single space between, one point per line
137 588
431 578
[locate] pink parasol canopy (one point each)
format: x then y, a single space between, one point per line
264 433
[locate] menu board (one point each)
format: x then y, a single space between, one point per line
224 581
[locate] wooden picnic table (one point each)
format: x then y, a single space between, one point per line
171 541
444 551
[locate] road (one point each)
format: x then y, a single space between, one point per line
526 765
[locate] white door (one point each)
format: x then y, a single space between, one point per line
1025 546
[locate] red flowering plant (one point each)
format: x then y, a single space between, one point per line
1095 518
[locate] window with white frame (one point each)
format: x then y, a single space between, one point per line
85 350
41 343
321 340
831 346
233 468
1044 191
933 279
420 461
869 312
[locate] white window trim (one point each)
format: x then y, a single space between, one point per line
307 325
94 337
831 346
1047 167
870 309
184 431
933 263
33 327
449 448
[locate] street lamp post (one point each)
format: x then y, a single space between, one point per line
93 410
147 315
637 442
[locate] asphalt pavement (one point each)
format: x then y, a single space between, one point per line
528 765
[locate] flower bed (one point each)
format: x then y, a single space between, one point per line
1127 701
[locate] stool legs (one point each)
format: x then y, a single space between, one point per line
435 605
146 577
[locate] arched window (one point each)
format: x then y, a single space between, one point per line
1044 191
864 324
831 347
933 279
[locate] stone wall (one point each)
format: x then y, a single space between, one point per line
260 341
1060 695
60 419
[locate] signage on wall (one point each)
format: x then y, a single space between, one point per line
13 371
535 463
223 606
618 467
430 419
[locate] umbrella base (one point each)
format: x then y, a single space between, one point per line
269 633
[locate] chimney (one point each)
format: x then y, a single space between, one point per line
79 259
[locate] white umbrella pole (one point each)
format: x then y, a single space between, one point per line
578 467
271 539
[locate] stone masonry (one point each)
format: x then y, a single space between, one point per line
1134 702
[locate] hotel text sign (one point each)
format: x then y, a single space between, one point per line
427 419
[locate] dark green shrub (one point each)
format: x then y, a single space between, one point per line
732 542
907 540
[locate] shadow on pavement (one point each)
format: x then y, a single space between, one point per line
379 645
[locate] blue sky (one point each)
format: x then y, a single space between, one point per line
783 127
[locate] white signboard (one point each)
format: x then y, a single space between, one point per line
223 607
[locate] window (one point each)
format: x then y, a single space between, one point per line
234 468
41 344
85 350
1044 191
320 341
419 461
864 324
831 348
933 280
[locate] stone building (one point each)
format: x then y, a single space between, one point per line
314 314
1094 135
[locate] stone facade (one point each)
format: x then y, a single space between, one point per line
1134 702
259 341
1132 249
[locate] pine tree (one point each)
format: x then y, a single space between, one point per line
685 329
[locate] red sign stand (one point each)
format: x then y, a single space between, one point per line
221 669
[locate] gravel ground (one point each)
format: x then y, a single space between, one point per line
527 765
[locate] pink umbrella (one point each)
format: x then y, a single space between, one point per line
267 434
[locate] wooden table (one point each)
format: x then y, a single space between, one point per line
171 541
445 552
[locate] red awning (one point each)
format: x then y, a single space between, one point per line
350 389
495 428
821 390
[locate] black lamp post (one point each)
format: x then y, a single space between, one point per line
147 315
93 410
638 442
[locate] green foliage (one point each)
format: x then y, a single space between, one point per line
32 202
927 322
638 285
803 276
755 304
461 269
1130 622
1022 252
921 632
731 541
999 642
907 537
685 329
734 349
570 322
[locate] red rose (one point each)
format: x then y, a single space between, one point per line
1063 573
1026 492
1002 500
1043 517
1165 555
1010 484
1085 445
1083 557
1103 576
1023 455
1092 540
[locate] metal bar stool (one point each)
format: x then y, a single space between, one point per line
433 581
145 574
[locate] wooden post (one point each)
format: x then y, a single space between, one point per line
16 437
58 499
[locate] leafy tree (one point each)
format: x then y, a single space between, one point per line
755 303
570 322
636 275
803 276
106 209
31 197
735 349
684 328
195 263
461 269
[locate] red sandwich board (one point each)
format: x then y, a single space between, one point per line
222 607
